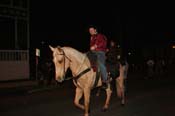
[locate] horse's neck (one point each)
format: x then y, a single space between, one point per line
77 59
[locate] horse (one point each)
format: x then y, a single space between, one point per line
84 77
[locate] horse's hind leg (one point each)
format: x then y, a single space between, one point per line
108 97
78 96
120 90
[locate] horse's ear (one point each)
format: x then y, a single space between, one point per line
51 47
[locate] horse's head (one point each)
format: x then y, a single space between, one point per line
61 62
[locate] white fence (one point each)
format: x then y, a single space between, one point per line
14 65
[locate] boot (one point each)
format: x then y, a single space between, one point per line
104 85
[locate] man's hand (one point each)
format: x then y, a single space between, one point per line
93 47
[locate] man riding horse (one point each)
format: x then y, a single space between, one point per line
98 45
84 77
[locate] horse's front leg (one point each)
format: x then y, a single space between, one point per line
108 97
87 92
120 89
78 95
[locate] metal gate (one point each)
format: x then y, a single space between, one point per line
14 65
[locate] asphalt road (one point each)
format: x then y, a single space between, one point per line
152 97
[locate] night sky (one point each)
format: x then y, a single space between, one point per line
134 26
67 24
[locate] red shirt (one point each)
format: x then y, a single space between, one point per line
100 41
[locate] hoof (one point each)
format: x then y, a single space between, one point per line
89 111
104 109
122 104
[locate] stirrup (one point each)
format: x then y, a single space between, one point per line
104 85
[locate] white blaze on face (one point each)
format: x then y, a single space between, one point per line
59 72
59 64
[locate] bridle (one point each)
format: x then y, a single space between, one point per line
64 67
64 59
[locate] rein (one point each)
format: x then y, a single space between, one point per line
80 73
64 61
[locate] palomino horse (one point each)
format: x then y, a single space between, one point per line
84 76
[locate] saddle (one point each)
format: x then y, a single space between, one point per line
93 60
113 69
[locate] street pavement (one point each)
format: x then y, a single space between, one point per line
150 97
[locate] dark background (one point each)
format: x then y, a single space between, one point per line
141 28
67 23
136 26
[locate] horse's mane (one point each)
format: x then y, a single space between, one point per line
77 54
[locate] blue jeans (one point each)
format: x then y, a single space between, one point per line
101 57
